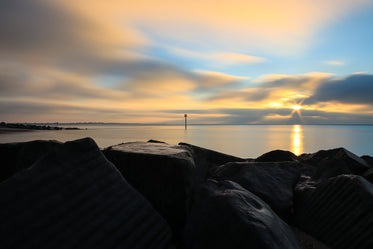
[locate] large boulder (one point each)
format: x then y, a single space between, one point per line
208 160
18 156
277 156
338 211
369 175
225 215
164 174
335 162
74 198
368 159
273 182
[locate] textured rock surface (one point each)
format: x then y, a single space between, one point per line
75 198
208 160
277 156
307 241
164 174
225 215
337 212
369 175
368 159
18 156
273 182
335 162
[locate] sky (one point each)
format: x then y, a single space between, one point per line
219 61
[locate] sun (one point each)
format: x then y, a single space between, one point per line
296 107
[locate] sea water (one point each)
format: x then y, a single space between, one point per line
247 141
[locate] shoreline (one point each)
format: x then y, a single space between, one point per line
5 130
19 127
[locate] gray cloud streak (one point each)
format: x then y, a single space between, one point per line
355 89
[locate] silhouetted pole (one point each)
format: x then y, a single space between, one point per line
185 116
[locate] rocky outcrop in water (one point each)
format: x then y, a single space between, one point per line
155 195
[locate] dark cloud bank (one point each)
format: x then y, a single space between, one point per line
355 89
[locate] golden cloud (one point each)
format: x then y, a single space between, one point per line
335 63
220 58
280 26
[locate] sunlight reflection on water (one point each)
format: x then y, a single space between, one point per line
297 140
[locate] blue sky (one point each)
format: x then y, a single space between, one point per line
223 62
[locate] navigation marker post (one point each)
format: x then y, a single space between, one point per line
185 116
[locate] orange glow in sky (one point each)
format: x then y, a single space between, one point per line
151 61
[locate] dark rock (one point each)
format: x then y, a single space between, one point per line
74 198
273 182
164 174
208 160
277 156
369 175
332 167
368 159
18 156
156 141
225 215
338 211
346 161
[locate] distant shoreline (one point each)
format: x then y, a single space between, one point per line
17 127
12 130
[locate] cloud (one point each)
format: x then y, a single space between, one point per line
354 89
273 116
274 90
159 83
40 32
282 27
48 84
220 58
55 56
212 79
334 63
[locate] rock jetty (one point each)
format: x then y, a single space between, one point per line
155 195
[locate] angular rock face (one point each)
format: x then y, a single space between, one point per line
74 198
273 182
338 212
369 175
277 156
349 162
164 174
225 215
368 159
18 156
208 160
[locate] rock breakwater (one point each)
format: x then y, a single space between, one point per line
156 195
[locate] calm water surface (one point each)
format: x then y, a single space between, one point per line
239 140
